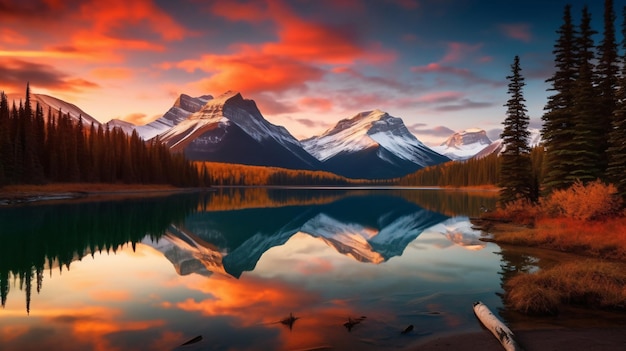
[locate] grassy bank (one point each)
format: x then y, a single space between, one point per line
587 221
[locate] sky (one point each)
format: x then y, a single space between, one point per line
440 65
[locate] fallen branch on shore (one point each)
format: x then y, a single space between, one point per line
496 327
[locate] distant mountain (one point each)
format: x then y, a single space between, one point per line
464 144
48 102
183 107
371 145
497 147
231 129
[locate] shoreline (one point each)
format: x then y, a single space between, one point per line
574 339
24 195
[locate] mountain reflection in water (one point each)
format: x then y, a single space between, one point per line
324 256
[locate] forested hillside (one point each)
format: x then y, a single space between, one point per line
38 147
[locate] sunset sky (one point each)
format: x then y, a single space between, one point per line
440 65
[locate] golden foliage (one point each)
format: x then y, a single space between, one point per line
595 200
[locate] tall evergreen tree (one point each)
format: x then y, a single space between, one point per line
557 131
516 171
608 80
587 144
616 170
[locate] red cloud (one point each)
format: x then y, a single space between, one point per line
407 4
253 12
10 36
108 16
457 51
251 72
318 104
15 73
520 31
301 53
437 68
440 96
112 73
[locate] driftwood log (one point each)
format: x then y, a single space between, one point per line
496 327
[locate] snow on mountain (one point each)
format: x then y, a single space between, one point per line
231 129
497 147
53 104
183 107
372 139
464 144
459 231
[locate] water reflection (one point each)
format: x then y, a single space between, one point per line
39 237
324 258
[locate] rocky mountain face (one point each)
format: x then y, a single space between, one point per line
231 129
371 145
183 107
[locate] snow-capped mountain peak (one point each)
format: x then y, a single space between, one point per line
365 130
230 128
464 144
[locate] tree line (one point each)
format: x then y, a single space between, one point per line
38 148
584 126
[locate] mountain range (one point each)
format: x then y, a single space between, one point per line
231 129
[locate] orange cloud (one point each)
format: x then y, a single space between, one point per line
111 295
300 54
319 104
10 36
138 118
109 16
112 73
251 72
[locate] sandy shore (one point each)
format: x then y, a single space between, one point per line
605 339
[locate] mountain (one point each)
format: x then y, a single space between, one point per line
464 144
183 107
231 129
497 147
48 102
371 145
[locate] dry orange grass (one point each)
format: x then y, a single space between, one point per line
589 283
604 239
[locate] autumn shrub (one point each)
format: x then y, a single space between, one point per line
594 200
520 211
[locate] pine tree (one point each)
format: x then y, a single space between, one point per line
515 172
616 170
588 129
557 131
608 80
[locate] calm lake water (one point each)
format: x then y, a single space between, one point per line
353 267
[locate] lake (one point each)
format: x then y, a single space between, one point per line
247 269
